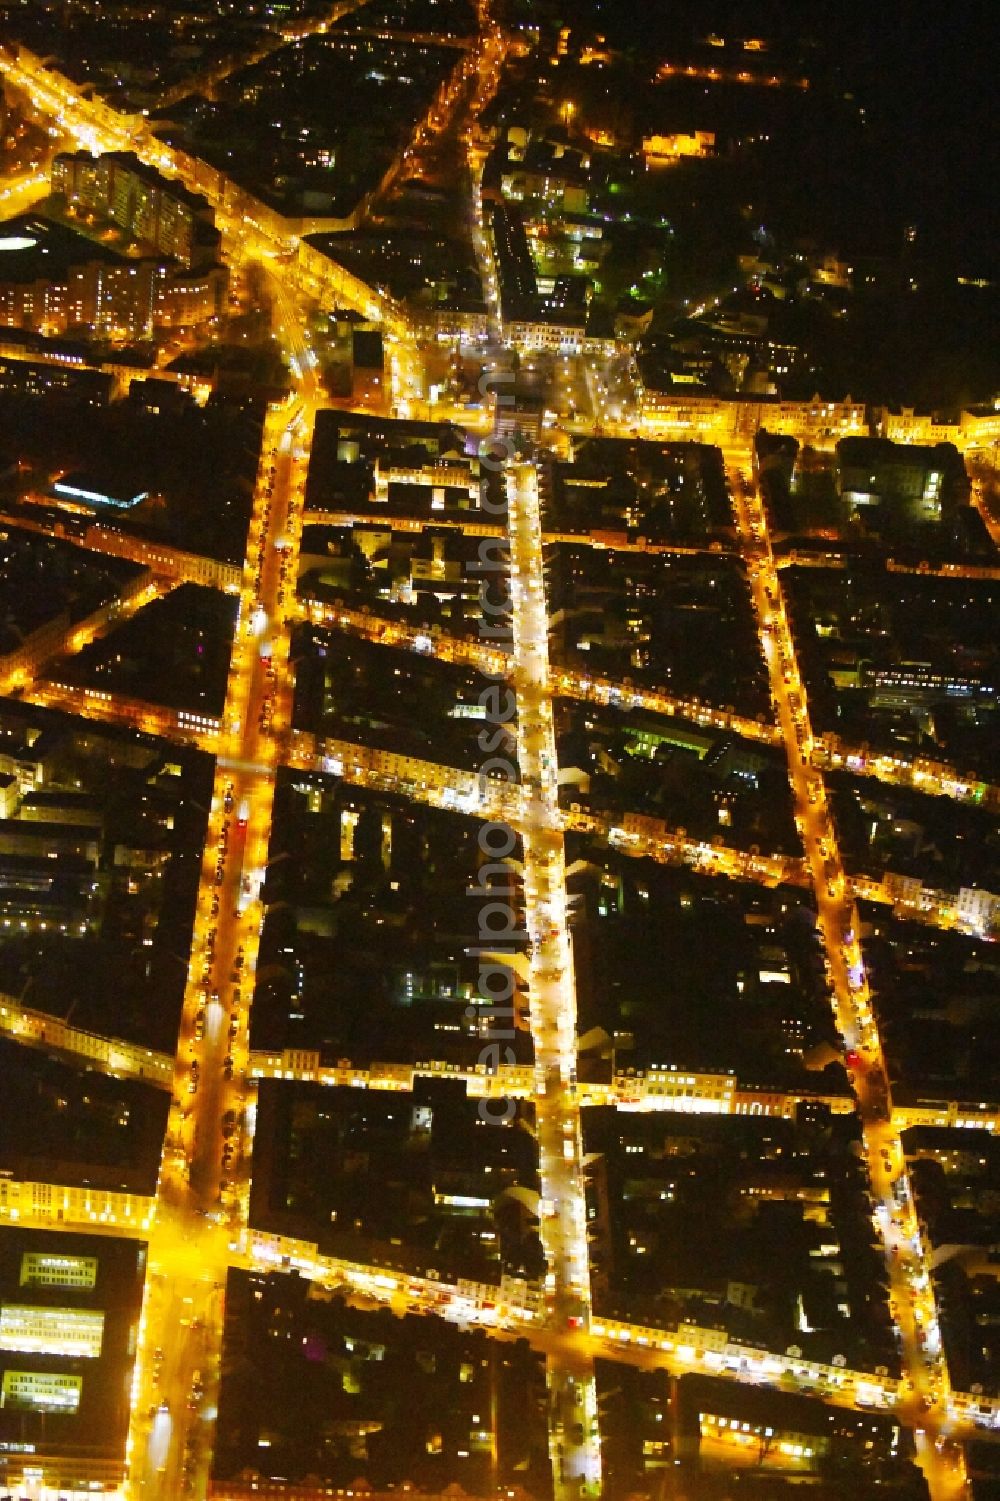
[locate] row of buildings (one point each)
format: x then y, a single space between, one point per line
160 213
55 279
819 420
532 319
536 192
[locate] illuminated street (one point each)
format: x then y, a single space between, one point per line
202 1193
907 1262
573 1436
615 429
22 667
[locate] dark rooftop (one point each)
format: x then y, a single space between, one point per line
32 247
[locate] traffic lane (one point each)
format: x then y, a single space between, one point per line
267 668
213 964
202 1400
915 1314
211 1095
233 978
256 793
573 1447
163 1398
568 1379
212 1050
191 1311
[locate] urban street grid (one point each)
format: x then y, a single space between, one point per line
192 1245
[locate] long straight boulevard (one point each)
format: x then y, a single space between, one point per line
573 1432
908 1266
203 1191
197 1225
461 791
676 1350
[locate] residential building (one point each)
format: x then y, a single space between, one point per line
157 211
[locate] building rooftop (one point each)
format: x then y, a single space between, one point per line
33 248
130 162
99 490
65 1379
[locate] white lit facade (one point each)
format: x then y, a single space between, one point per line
72 1332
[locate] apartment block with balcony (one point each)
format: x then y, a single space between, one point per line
157 211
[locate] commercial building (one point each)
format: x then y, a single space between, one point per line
83 485
69 1311
30 1330
917 685
52 1269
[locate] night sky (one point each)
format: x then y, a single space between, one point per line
924 74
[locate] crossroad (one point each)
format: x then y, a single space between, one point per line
66 637
197 1212
510 1309
455 790
197 1222
250 229
829 752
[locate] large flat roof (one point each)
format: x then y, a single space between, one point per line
32 247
